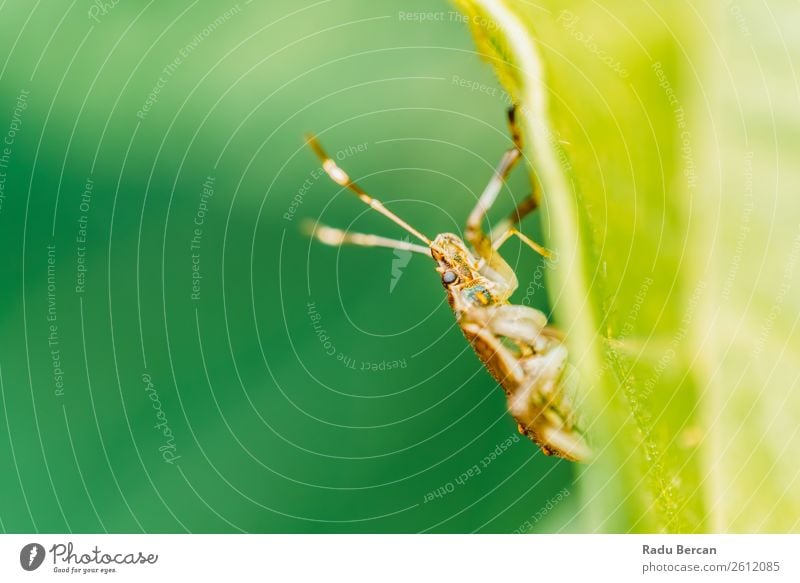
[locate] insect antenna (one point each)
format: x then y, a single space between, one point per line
335 237
341 178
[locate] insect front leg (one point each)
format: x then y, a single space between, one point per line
494 266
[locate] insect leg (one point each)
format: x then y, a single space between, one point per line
523 209
493 265
534 384
474 231
519 323
527 401
499 360
526 325
335 237
507 227
542 406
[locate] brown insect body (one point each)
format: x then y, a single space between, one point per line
529 365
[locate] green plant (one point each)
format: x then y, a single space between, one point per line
661 136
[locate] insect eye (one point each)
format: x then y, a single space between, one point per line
449 276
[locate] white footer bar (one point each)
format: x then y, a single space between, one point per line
400 558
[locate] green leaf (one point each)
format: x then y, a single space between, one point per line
661 136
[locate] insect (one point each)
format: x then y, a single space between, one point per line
526 357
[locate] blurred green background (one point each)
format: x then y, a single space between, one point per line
132 122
